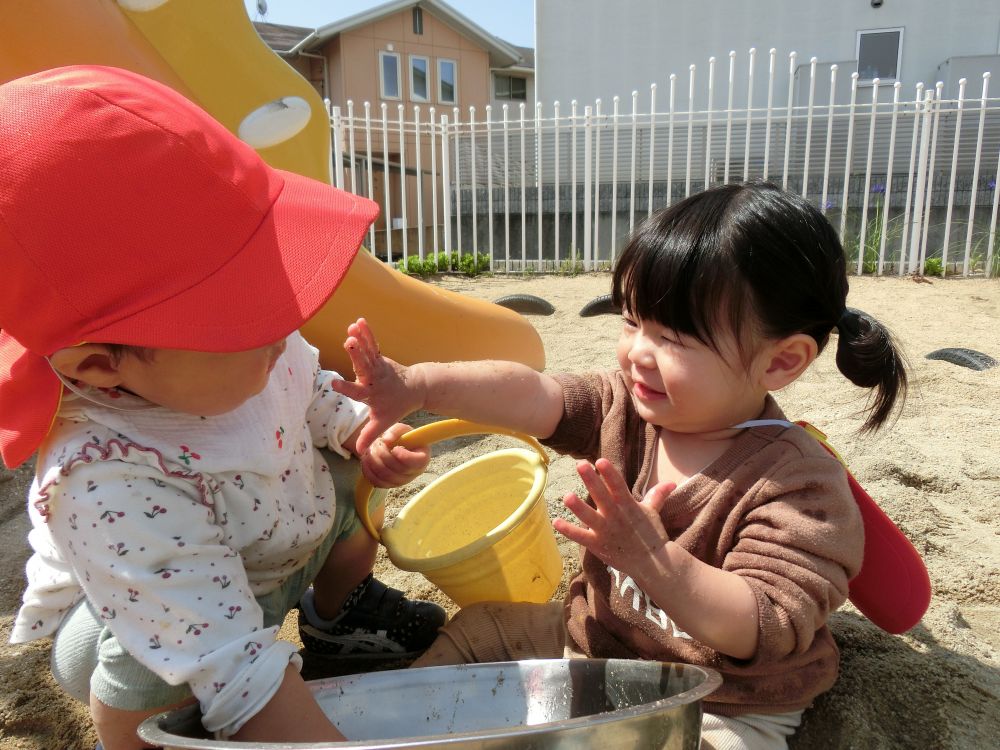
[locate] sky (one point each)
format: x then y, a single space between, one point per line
511 20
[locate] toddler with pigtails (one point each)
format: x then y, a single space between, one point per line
715 532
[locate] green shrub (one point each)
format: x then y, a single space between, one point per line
416 267
443 262
933 267
572 265
474 264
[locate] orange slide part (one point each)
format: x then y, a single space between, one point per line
209 51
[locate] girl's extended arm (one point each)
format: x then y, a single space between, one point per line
713 606
505 394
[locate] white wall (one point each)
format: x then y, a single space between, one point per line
589 49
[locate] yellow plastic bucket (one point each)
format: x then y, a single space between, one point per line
481 531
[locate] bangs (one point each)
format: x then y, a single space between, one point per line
680 270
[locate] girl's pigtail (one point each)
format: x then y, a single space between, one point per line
868 356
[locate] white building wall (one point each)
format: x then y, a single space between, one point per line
590 49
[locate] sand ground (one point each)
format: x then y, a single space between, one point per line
936 472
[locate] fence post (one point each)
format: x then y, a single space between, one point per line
690 116
631 194
868 178
652 146
951 185
473 183
572 194
420 182
558 182
993 223
369 169
431 138
910 173
830 119
975 173
614 176
350 145
402 180
445 186
670 141
385 178
708 121
772 57
806 152
588 146
597 181
506 186
896 87
489 177
524 197
338 148
729 115
539 182
457 125
849 158
932 156
916 233
788 118
746 140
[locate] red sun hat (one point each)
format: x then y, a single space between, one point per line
128 215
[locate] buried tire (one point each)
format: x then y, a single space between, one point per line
964 357
602 305
526 304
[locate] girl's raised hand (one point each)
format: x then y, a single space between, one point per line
620 531
381 383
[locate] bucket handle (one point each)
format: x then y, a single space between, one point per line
427 435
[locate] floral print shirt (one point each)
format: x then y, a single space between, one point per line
171 525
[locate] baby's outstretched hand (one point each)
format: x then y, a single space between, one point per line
388 464
381 383
620 531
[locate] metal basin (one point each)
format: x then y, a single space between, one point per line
518 705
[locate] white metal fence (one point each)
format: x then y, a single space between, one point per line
909 180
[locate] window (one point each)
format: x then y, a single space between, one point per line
419 85
879 54
418 21
389 74
447 82
510 87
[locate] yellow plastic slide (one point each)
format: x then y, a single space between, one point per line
209 51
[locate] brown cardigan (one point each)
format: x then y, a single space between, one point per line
775 509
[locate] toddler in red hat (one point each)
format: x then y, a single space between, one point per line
158 271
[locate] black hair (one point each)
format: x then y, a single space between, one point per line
757 261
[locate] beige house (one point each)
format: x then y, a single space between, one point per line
411 53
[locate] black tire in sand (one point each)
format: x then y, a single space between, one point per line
599 306
526 304
964 357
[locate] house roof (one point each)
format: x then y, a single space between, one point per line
527 57
279 37
501 53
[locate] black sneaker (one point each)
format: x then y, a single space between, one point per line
382 624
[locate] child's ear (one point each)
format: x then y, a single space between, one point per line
786 359
88 363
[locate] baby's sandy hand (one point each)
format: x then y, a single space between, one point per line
381 383
620 531
388 464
